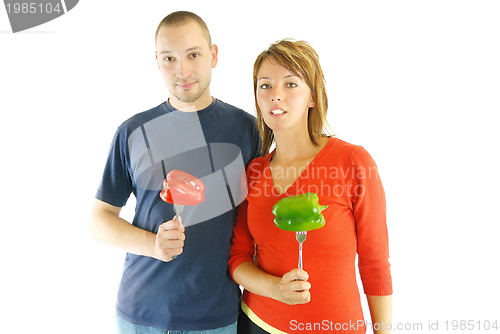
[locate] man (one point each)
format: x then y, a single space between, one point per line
202 136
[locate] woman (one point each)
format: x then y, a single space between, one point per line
291 103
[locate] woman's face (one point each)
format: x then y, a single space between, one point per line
283 97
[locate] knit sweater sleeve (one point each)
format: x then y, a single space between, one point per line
369 209
242 249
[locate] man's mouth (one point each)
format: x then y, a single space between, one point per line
185 85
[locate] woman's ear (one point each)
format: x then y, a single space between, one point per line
311 102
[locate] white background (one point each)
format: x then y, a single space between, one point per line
417 83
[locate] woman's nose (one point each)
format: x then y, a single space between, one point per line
276 95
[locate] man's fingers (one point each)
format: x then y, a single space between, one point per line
172 225
171 243
166 235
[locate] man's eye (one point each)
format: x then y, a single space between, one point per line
169 58
194 55
265 86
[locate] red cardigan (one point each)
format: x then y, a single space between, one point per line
345 177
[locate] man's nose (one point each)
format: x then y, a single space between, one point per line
183 69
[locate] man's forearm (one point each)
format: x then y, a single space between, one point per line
106 225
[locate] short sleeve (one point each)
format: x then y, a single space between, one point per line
116 184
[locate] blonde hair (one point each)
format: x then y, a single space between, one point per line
299 58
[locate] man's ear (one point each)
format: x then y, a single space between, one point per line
215 54
156 56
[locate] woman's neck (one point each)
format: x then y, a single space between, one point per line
291 146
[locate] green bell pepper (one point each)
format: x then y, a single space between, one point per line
299 213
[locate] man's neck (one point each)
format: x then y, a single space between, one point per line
200 104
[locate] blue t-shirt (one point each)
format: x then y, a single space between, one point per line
194 291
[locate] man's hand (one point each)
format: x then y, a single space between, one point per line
169 240
293 288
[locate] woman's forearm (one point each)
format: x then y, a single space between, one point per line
381 312
291 289
255 280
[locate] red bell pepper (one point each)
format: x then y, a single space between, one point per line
181 188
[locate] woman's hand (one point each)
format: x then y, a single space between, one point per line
293 288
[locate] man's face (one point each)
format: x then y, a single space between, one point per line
185 61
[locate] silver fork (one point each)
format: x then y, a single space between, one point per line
301 237
178 209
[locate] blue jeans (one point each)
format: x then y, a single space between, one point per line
125 327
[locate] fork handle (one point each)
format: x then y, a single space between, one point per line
177 209
300 255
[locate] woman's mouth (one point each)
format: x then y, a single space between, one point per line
277 112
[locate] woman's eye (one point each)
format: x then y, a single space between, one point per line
265 86
291 85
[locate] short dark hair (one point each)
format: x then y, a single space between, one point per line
183 17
